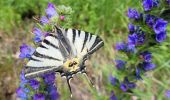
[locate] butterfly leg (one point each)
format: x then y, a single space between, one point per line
89 80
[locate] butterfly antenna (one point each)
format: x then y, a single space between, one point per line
89 80
68 82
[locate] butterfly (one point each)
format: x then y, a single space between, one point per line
64 51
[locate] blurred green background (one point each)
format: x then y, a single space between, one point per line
105 17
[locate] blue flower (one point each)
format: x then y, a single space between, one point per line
136 39
167 94
39 96
123 87
26 51
34 84
38 35
150 20
148 66
49 78
52 92
120 64
138 76
129 84
112 96
44 20
168 1
113 80
120 46
160 25
51 11
131 48
149 4
133 14
161 36
131 27
21 94
147 56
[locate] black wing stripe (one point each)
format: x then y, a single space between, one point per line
90 37
52 35
79 32
74 35
85 40
42 46
44 56
48 43
34 59
97 40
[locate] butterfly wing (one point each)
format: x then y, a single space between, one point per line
47 57
83 43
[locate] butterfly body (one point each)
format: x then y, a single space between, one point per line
64 51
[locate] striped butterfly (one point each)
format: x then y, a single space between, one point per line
64 51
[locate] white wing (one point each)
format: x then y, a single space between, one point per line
46 57
83 42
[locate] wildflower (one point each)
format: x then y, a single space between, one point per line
52 92
131 27
26 51
113 97
160 25
123 87
167 93
49 78
51 11
146 55
161 36
130 48
113 80
150 20
38 35
34 84
21 93
129 84
168 1
44 20
148 66
120 46
133 14
149 4
62 17
39 96
138 76
120 64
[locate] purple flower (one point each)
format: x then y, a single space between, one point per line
160 26
136 39
22 77
138 77
112 96
120 64
131 27
38 35
34 84
133 14
120 46
150 20
62 17
148 66
21 94
44 20
51 11
161 36
52 92
149 4
129 84
168 1
39 96
147 56
26 51
167 93
123 87
131 48
49 78
113 80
